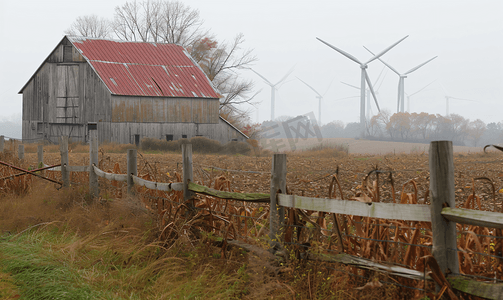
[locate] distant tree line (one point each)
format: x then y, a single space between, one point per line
410 127
420 127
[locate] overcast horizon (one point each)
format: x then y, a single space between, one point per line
466 37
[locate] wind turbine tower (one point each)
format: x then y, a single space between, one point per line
408 96
401 82
364 75
368 92
447 98
319 97
367 98
273 88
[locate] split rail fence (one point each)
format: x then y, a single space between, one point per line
440 218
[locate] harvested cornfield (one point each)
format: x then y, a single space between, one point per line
324 173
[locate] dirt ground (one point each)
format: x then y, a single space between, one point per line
359 146
309 173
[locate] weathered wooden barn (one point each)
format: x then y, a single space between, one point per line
131 89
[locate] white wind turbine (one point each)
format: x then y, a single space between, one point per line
401 82
408 96
369 108
273 88
447 98
364 75
319 97
367 98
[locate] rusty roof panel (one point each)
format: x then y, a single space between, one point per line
145 69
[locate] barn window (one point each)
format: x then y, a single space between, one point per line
67 53
184 136
169 137
40 127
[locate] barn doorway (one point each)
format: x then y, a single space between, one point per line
137 140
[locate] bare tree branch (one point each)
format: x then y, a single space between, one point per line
174 22
90 26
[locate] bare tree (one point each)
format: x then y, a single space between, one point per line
133 21
174 22
384 119
158 21
180 24
476 130
221 64
90 26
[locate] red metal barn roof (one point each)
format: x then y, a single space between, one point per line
145 69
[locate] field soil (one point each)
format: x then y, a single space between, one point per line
309 173
357 146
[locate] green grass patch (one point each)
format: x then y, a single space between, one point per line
37 275
8 289
53 263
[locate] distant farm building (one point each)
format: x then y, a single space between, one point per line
131 89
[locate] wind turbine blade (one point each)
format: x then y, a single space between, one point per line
422 88
372 90
415 68
350 97
341 52
462 99
386 64
380 73
328 87
280 84
382 81
350 85
267 81
385 50
251 98
286 75
309 86
443 89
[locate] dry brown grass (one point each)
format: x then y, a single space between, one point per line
309 173
69 206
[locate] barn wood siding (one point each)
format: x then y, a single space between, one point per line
123 133
65 90
165 110
66 93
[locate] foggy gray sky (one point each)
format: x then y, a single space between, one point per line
466 35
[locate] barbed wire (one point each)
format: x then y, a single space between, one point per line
381 281
208 210
230 170
259 218
477 253
479 277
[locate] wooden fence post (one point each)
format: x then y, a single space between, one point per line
20 151
63 150
132 169
93 159
277 213
2 143
187 171
40 154
442 193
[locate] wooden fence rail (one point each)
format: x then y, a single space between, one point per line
441 213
